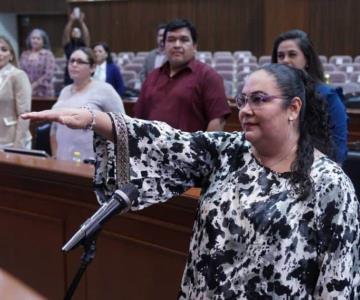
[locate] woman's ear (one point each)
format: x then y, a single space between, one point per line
294 109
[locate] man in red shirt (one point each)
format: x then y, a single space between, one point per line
185 93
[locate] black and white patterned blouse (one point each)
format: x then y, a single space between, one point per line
252 238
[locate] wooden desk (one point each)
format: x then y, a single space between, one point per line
43 202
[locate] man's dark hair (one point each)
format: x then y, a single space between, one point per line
178 24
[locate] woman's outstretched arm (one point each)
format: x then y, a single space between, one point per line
76 119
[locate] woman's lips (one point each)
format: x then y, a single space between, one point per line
248 125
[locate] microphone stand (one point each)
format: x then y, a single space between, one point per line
89 244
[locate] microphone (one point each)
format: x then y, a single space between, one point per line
120 202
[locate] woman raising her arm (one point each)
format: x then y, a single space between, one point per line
277 218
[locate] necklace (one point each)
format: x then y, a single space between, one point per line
253 151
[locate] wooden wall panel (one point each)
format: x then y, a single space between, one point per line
37 6
222 25
334 26
283 15
229 25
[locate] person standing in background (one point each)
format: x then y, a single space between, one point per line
276 219
15 99
156 58
105 69
85 91
184 92
39 63
74 37
295 48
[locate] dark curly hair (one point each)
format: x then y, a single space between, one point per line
314 132
313 64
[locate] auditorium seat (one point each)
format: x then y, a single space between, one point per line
58 84
242 53
350 88
134 84
241 76
138 60
247 67
122 61
337 77
133 67
205 59
323 59
265 59
204 54
239 88
42 138
128 75
329 67
357 59
349 68
246 60
340 59
351 167
227 75
60 62
222 54
142 54
126 55
355 77
224 67
228 85
223 60
59 74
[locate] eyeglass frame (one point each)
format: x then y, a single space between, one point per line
265 98
78 61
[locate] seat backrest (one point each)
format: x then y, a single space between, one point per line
355 77
247 67
340 59
42 138
224 67
337 77
265 59
329 67
227 75
242 53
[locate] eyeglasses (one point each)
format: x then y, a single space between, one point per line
78 61
255 100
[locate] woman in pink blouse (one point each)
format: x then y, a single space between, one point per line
39 63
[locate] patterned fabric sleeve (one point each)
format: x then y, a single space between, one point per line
164 162
339 245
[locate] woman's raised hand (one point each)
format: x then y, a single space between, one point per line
72 118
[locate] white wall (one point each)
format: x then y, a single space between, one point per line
8 28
